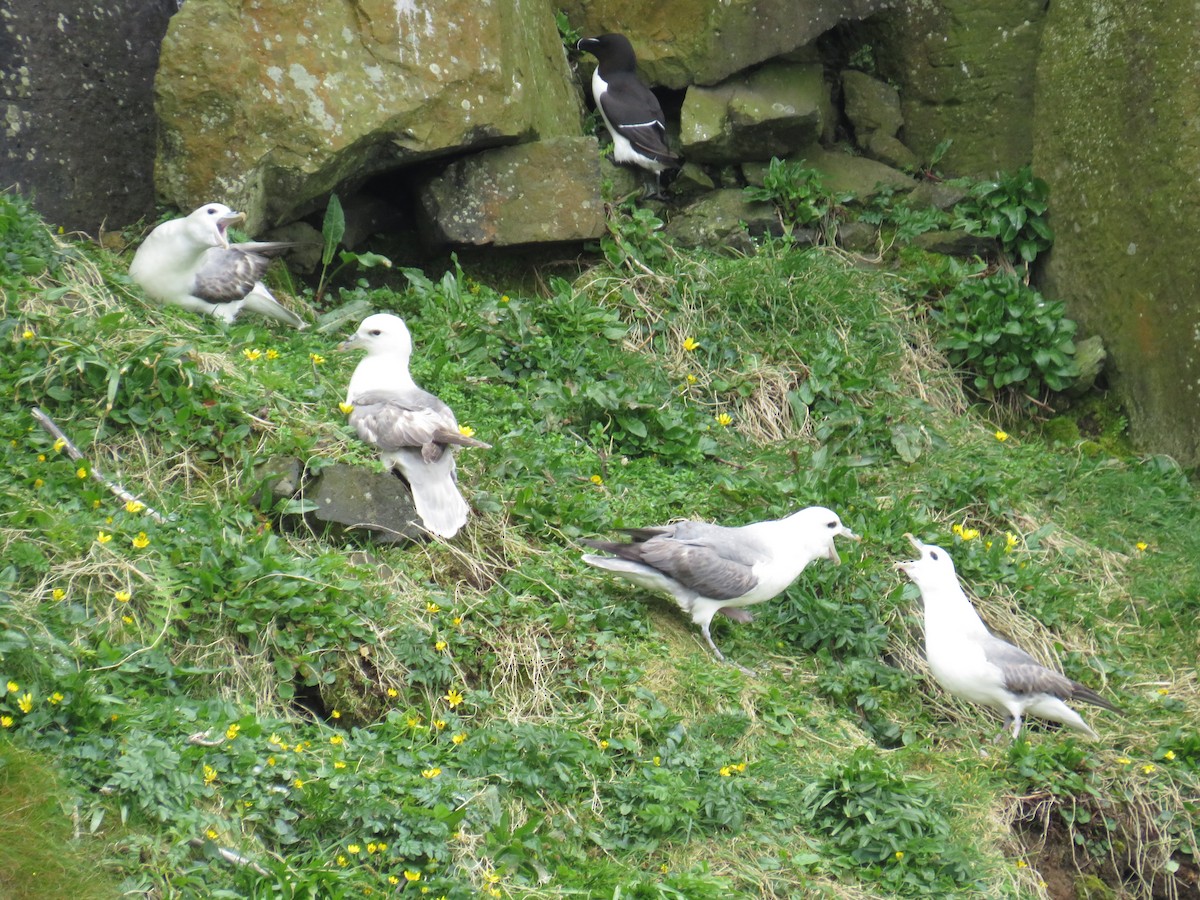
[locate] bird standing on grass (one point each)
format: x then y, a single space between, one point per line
189 262
972 663
631 112
710 568
414 432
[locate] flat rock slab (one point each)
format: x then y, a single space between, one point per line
357 498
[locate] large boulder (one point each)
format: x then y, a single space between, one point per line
76 81
269 106
842 172
967 72
873 111
682 42
540 192
771 111
1116 139
724 219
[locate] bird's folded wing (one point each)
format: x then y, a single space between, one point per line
634 111
1022 673
228 275
703 568
395 424
265 248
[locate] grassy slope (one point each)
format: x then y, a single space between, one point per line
492 717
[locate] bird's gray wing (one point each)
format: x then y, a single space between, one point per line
271 249
1022 673
709 569
394 423
228 275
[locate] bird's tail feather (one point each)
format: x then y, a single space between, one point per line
1087 695
263 303
439 504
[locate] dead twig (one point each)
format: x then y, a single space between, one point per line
57 433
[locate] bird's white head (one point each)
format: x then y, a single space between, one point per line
381 333
933 567
820 526
208 224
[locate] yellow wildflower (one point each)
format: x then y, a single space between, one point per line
232 731
81 472
128 620
123 596
440 646
411 876
298 783
414 721
456 621
346 408
431 773
59 444
432 607
6 721
724 420
899 854
604 745
341 860
336 740
392 879
38 483
691 379
1148 768
338 764
13 687
316 358
41 457
58 594
103 537
1010 541
1021 864
596 479
354 848
1124 760
459 738
1142 546
1169 755
1162 692
210 774
454 697
658 760
57 698
336 714
27 334
690 344
1001 436
725 771
141 542
252 353
25 702
504 298
967 534
272 354
270 760
439 724
392 692
466 431
212 834
134 506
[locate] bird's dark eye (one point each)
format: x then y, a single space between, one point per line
832 525
933 555
211 212
375 332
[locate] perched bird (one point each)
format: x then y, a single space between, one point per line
972 663
189 262
413 430
707 568
630 110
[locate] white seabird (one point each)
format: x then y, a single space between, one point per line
972 663
413 430
710 568
189 262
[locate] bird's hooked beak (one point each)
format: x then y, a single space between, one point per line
223 224
350 343
846 533
904 565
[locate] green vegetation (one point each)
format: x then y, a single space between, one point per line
213 705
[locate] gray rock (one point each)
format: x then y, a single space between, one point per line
956 243
858 237
1090 356
1116 140
356 498
541 192
889 151
683 42
872 106
76 82
723 219
841 172
305 257
772 111
270 106
936 195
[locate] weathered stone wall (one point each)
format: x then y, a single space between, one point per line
1118 139
967 71
270 106
76 86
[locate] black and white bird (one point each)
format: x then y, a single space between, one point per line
973 664
414 432
710 568
189 262
631 112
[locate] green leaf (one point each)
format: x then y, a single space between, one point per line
333 228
